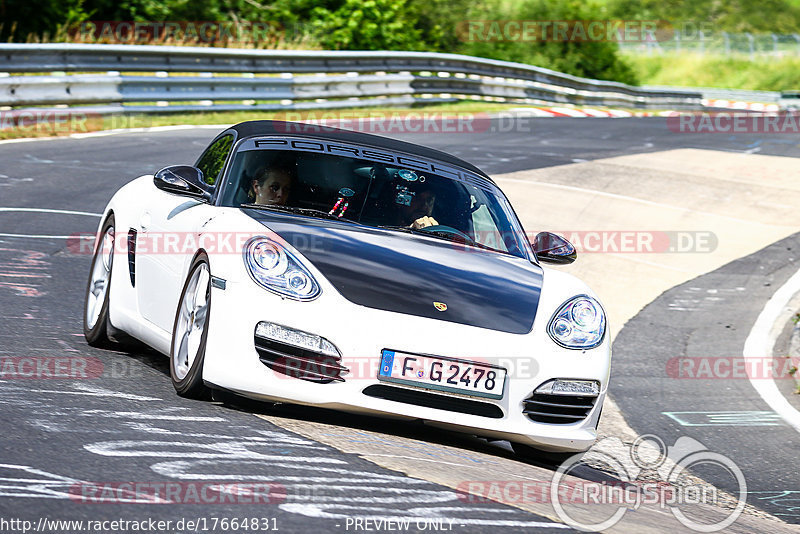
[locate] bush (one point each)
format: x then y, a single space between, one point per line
366 25
591 59
738 16
23 19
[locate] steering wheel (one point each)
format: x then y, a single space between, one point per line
448 230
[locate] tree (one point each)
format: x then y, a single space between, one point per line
590 58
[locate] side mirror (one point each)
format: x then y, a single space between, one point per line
552 248
183 180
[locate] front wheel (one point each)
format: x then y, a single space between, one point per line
98 296
190 331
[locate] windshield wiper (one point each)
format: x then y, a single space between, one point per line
310 212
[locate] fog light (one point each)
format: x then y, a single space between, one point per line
589 388
296 338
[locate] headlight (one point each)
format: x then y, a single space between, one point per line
579 324
275 268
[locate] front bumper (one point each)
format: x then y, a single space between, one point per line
361 333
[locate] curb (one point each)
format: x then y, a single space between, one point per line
733 104
559 111
794 349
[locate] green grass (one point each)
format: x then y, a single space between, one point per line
151 120
93 124
763 73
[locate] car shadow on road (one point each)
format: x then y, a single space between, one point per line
414 430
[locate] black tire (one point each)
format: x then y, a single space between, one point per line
97 334
191 385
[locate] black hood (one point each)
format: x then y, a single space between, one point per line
405 273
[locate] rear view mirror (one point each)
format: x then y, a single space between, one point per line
552 248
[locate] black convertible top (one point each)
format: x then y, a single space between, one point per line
265 127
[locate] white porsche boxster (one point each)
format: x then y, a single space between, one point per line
337 269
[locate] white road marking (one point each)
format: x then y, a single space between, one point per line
124 396
34 236
730 418
94 391
761 341
38 160
48 210
45 210
148 416
218 450
45 485
179 469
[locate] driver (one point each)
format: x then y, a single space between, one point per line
415 206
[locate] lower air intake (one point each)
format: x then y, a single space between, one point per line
299 363
557 409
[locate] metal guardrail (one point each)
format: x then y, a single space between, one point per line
278 79
713 93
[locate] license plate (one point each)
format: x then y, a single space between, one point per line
443 374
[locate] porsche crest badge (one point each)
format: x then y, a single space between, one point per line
441 306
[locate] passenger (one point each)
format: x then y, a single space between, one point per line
273 185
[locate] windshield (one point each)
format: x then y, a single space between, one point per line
374 188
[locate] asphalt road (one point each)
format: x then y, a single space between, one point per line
128 426
675 374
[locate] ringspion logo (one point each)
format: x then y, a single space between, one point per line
674 490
